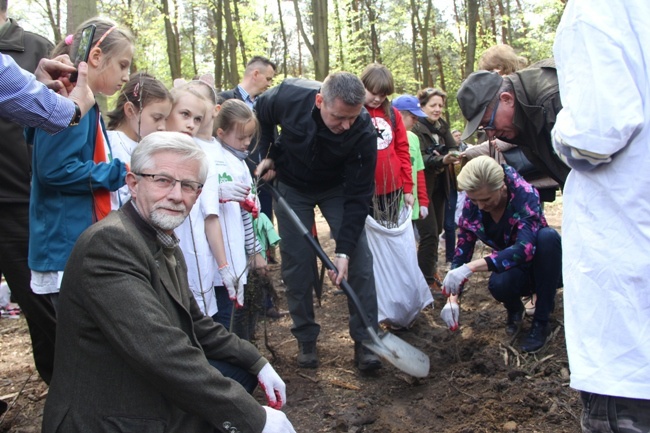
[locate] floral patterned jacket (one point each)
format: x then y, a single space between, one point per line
525 219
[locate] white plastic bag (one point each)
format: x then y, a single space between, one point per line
402 291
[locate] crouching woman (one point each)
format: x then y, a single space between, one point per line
503 211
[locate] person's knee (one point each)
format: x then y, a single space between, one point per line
548 239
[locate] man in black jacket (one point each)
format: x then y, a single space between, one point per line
15 173
325 156
519 108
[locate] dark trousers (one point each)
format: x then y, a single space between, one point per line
541 276
450 224
238 374
429 229
38 309
608 414
298 260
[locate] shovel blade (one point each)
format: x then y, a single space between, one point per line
401 354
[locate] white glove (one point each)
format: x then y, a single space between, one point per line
273 386
455 279
276 422
233 191
450 314
234 285
424 212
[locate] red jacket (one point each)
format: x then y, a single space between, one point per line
393 169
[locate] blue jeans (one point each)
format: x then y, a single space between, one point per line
542 276
245 319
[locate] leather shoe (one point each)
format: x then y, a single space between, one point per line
365 359
513 324
307 356
536 338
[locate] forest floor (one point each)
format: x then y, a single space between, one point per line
479 381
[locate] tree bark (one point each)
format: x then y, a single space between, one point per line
374 39
285 45
505 35
472 20
173 44
216 32
319 49
240 36
231 42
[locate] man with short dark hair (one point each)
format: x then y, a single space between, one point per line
519 108
134 351
258 77
325 156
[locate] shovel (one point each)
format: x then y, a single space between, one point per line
387 346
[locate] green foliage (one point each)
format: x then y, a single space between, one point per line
531 31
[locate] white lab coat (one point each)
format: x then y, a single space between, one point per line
602 51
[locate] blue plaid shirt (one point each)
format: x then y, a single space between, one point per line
30 103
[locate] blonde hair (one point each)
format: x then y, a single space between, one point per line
480 172
177 92
501 58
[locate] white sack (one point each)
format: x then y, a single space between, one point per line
402 291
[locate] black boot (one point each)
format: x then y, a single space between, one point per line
307 354
536 338
365 359
513 323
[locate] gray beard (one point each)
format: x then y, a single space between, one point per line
166 222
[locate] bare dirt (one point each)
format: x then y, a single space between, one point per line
479 381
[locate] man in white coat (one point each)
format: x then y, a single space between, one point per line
603 132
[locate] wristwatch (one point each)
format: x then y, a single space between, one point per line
77 115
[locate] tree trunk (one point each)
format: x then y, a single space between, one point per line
173 44
427 78
374 39
472 20
240 36
505 36
321 39
285 45
192 38
216 32
461 37
414 51
78 12
493 20
339 39
319 49
231 42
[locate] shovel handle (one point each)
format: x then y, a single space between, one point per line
319 252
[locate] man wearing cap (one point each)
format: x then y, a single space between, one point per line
409 108
519 108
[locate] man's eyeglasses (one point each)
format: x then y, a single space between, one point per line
166 183
490 125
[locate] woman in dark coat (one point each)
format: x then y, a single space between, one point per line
439 152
